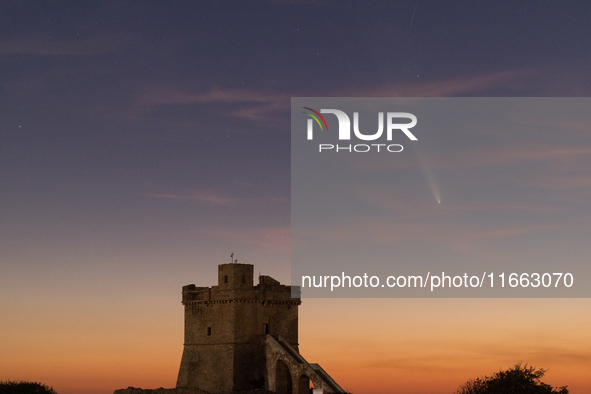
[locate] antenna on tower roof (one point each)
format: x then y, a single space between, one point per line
231 257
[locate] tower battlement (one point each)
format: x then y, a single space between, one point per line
235 284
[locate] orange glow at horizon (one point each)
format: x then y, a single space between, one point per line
432 346
368 345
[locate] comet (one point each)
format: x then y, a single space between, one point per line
432 184
429 177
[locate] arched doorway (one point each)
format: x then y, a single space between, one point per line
304 385
283 382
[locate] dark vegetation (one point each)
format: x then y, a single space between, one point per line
515 380
23 387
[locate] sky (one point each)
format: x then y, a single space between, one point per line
492 186
143 142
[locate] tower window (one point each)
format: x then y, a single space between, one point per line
225 278
208 331
243 279
265 328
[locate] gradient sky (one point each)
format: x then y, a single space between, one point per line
143 142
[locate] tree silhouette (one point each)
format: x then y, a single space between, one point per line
515 380
22 387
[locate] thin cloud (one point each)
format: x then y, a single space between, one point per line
207 197
258 105
255 105
272 100
559 162
405 208
212 198
523 82
450 87
385 231
176 96
262 238
81 47
486 156
549 354
563 183
529 153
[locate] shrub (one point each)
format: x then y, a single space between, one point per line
515 380
22 387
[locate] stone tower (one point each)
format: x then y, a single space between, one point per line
239 336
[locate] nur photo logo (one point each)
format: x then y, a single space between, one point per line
344 130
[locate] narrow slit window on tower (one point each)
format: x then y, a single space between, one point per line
225 278
243 279
265 328
208 331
